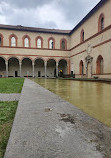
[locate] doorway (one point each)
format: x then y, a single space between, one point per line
39 73
16 73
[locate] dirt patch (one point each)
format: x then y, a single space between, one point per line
48 109
67 118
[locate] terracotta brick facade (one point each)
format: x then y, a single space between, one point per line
96 43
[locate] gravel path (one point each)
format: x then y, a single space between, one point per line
10 97
46 126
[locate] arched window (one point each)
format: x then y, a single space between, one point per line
13 42
99 65
26 41
82 36
1 40
39 43
63 44
51 43
101 22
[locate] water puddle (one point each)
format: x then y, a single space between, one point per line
94 98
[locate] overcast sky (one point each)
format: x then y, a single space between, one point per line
58 14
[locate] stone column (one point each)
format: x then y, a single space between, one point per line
20 65
33 69
57 68
45 69
6 68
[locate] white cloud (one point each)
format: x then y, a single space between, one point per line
62 14
49 13
3 20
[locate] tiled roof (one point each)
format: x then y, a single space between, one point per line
33 29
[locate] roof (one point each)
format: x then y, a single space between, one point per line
54 31
34 29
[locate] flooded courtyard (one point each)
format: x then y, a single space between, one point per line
93 98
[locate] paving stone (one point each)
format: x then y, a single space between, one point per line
10 97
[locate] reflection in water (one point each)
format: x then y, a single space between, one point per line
93 98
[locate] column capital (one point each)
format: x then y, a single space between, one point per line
45 62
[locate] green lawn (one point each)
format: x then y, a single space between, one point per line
7 113
8 109
11 85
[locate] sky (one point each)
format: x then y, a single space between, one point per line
52 14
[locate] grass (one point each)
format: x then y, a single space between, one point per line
7 113
11 85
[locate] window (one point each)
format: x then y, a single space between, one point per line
26 42
0 41
101 22
82 36
51 44
39 42
13 42
63 44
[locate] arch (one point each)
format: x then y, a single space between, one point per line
28 44
27 67
13 57
39 58
82 36
62 67
101 22
3 58
1 39
63 44
36 39
51 43
2 67
27 58
99 65
51 68
81 67
39 68
51 59
63 59
13 43
13 67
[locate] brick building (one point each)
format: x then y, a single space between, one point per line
84 51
